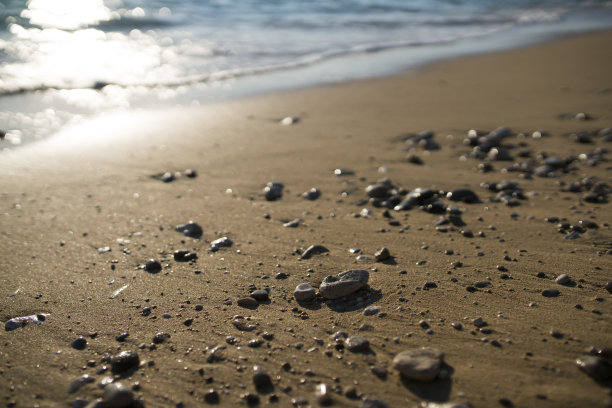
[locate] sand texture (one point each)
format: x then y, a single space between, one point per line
63 202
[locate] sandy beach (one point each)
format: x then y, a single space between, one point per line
81 214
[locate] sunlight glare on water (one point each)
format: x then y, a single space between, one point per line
67 14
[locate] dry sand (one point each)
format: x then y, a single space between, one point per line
61 200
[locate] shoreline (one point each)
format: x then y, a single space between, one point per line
58 212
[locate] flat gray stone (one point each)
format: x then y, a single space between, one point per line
304 292
357 344
247 301
420 364
344 283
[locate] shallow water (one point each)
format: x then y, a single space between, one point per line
65 61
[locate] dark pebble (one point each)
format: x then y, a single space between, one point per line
250 398
379 371
121 337
79 343
153 266
261 379
259 294
597 367
273 190
191 229
550 292
464 195
124 361
211 396
182 255
160 337
430 285
608 286
467 233
281 275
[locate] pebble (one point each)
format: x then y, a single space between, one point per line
182 255
273 190
160 337
191 230
344 283
323 394
608 286
261 379
247 301
597 367
241 325
563 279
464 195
293 224
211 396
21 321
382 254
550 293
153 266
117 395
79 343
77 383
419 364
220 243
311 194
371 310
260 295
304 292
373 402
289 120
343 172
124 361
357 344
314 250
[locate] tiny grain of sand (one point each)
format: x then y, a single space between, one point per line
78 217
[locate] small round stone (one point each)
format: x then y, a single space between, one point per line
563 279
261 379
247 301
211 396
550 293
153 265
260 295
371 310
419 364
191 230
124 361
608 286
79 343
160 337
117 395
304 292
357 344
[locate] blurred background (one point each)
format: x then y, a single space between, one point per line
63 62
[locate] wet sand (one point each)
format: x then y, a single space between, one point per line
63 200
